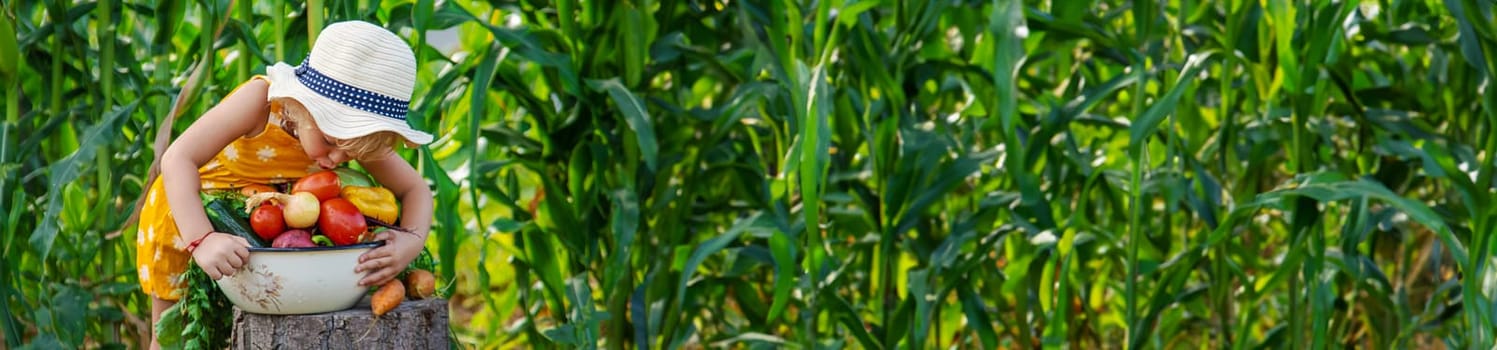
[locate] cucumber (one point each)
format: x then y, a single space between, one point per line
225 220
349 177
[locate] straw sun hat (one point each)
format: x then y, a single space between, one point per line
358 80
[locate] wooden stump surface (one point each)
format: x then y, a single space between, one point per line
415 324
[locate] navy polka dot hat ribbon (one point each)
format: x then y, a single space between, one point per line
349 95
356 81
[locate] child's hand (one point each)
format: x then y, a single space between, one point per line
384 263
221 254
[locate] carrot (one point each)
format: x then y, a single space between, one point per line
252 189
387 297
421 284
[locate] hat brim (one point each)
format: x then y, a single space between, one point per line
351 123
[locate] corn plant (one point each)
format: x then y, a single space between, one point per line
838 173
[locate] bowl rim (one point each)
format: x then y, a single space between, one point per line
374 244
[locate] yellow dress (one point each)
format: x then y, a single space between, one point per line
269 157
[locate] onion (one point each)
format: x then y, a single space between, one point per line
300 209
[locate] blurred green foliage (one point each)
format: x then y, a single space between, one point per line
828 174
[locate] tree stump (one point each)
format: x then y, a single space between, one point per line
415 324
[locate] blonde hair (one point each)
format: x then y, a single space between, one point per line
362 148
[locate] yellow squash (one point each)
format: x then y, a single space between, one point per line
374 202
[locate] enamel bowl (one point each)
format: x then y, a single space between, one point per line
294 281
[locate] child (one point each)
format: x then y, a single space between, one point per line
347 101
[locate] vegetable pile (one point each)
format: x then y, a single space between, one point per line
328 208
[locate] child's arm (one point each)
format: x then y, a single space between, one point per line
416 211
239 114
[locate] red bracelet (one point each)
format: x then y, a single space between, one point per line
194 245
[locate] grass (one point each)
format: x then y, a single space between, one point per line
865 174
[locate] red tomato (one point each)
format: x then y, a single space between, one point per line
267 221
341 221
323 184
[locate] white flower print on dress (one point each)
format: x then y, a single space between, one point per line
266 153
